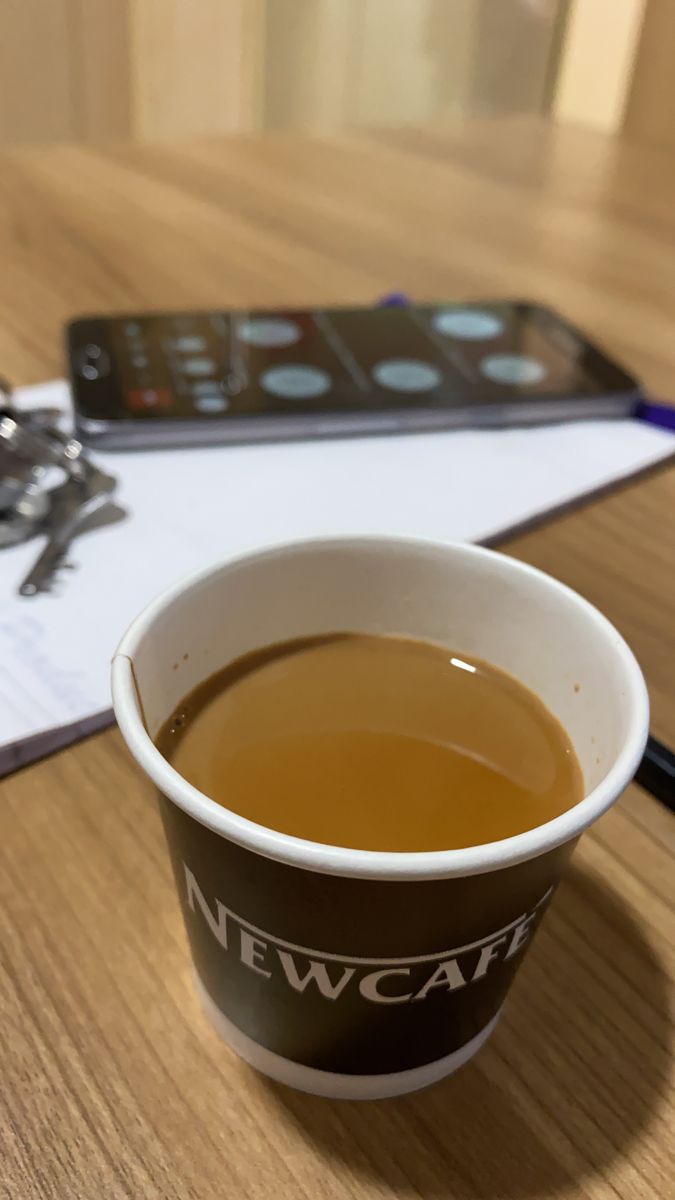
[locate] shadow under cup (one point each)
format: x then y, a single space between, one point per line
354 973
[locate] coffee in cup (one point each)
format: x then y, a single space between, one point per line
376 742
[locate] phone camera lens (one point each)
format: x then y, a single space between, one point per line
92 361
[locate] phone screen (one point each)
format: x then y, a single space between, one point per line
182 366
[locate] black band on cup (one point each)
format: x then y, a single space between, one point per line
348 975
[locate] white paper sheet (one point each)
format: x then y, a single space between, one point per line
190 508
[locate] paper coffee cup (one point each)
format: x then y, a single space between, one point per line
355 973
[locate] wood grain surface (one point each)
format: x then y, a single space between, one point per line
619 552
113 1085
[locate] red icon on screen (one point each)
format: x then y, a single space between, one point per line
141 399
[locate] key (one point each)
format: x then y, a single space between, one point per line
74 504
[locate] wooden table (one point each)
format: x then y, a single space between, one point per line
112 1083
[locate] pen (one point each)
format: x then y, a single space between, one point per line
656 772
394 300
662 415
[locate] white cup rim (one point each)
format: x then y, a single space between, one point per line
376 864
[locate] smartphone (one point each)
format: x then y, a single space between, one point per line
185 379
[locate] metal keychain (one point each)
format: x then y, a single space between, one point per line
75 506
33 450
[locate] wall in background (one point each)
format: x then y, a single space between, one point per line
597 61
92 70
195 66
96 70
63 70
379 62
650 111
